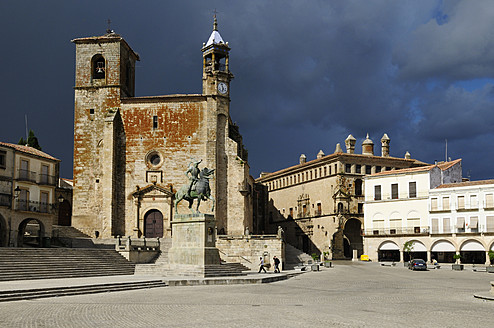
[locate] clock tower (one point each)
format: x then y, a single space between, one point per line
216 75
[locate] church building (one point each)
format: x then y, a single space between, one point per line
131 153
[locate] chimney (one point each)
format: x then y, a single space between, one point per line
408 156
350 144
385 145
368 146
320 154
303 159
338 148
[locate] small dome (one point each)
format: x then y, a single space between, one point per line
367 141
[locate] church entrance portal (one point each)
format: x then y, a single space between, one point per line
153 224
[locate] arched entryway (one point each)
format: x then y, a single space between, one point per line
153 224
417 251
388 251
65 213
31 232
473 252
443 251
352 232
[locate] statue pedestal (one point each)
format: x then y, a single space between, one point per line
193 244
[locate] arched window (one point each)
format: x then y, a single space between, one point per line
98 67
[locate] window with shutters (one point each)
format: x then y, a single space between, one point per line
434 225
394 191
489 201
412 189
473 201
446 225
489 223
461 202
433 204
445 203
460 224
377 192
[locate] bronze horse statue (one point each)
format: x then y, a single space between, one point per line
199 191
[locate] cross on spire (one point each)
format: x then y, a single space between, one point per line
109 30
215 24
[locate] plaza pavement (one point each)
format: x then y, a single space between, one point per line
348 295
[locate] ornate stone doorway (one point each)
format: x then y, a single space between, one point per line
153 224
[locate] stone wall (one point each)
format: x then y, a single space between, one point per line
248 249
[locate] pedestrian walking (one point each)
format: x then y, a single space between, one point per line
261 265
276 264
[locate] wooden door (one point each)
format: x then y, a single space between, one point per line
153 224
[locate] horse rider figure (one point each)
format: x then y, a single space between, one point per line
193 169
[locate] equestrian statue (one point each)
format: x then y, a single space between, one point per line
197 188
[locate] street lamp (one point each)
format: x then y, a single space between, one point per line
60 199
17 192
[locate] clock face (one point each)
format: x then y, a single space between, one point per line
222 88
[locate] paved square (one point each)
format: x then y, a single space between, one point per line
349 295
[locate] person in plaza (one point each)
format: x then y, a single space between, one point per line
434 262
261 265
276 264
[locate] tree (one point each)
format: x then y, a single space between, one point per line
408 247
31 141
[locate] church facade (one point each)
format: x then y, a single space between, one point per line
131 153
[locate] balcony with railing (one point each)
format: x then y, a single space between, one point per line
25 175
33 206
396 231
45 179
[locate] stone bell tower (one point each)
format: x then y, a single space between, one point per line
216 75
104 74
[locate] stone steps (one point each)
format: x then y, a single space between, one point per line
47 263
294 256
14 295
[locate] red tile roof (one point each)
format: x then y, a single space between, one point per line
28 150
443 166
466 184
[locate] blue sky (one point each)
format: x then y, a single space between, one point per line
307 73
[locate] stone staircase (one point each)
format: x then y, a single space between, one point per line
161 266
54 263
294 256
66 236
27 294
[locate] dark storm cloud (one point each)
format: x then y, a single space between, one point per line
307 73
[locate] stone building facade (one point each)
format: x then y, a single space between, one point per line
28 202
319 203
130 153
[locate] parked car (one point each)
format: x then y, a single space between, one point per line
417 264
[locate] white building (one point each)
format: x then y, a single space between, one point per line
396 209
28 205
462 218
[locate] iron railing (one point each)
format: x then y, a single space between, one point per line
25 175
46 179
33 206
397 231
